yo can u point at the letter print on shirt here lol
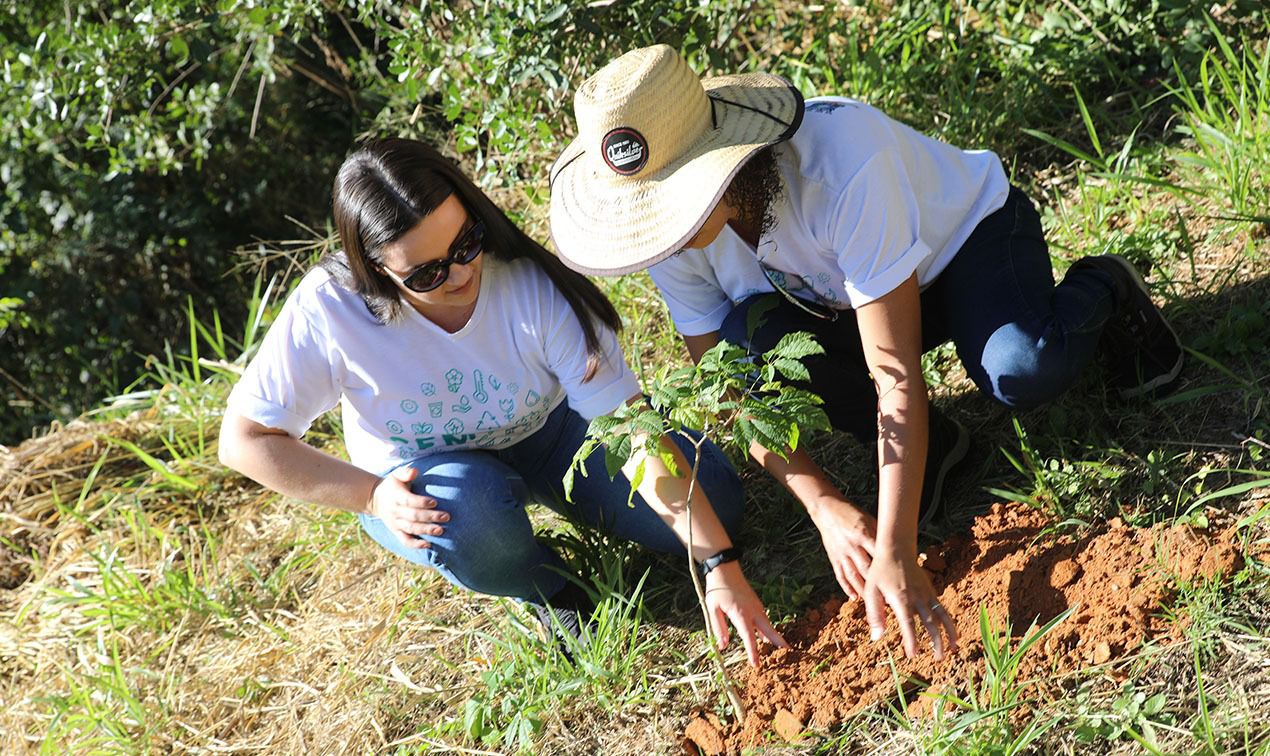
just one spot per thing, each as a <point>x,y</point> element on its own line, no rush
<point>402,448</point>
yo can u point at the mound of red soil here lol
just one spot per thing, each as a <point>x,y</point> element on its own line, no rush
<point>1117,580</point>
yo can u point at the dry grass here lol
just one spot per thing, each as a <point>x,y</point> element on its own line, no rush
<point>299,635</point>
<point>139,614</point>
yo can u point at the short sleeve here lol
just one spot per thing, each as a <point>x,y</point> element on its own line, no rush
<point>566,352</point>
<point>290,382</point>
<point>697,303</point>
<point>874,230</point>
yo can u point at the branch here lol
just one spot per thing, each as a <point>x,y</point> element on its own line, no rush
<point>729,687</point>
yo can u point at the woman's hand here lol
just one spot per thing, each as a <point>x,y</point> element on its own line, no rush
<point>895,579</point>
<point>729,597</point>
<point>848,535</point>
<point>407,514</point>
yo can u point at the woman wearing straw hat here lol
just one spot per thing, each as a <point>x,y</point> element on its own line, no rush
<point>466,361</point>
<point>880,241</point>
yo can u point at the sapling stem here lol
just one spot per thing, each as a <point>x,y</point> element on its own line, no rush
<point>729,687</point>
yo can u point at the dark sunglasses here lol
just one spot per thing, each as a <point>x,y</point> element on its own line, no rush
<point>815,308</point>
<point>466,248</point>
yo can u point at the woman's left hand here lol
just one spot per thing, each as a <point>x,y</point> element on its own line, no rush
<point>895,579</point>
<point>729,597</point>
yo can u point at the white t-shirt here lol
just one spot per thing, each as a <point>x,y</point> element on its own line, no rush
<point>867,202</point>
<point>409,389</point>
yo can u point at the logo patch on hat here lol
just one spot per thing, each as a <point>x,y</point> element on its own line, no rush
<point>625,150</point>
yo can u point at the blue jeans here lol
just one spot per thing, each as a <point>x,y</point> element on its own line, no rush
<point>1022,339</point>
<point>489,546</point>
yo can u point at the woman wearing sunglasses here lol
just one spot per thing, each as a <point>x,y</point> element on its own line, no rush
<point>877,239</point>
<point>466,361</point>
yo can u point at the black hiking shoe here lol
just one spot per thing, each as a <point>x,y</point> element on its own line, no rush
<point>561,618</point>
<point>946,448</point>
<point>1138,344</point>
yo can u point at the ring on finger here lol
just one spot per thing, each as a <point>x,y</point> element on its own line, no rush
<point>935,605</point>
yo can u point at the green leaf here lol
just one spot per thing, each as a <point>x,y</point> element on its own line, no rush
<point>178,48</point>
<point>791,369</point>
<point>757,314</point>
<point>637,477</point>
<point>794,346</point>
<point>1231,491</point>
<point>155,464</point>
<point>667,458</point>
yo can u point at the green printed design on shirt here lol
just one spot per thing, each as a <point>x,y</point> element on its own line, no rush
<point>495,428</point>
<point>453,380</point>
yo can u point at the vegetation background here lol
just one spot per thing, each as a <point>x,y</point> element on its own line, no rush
<point>166,168</point>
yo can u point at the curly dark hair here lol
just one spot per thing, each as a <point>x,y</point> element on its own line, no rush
<point>755,190</point>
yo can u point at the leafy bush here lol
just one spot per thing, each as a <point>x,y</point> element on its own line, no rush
<point>150,138</point>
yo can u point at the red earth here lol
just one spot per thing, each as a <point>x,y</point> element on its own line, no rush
<point>1116,579</point>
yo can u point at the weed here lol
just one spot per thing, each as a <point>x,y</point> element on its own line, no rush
<point>983,719</point>
<point>1133,713</point>
<point>524,681</point>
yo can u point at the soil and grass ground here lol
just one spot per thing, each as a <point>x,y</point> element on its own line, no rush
<point>1107,563</point>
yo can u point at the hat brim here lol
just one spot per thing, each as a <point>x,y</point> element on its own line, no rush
<point>602,224</point>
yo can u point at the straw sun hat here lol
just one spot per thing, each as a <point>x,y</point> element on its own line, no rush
<point>656,148</point>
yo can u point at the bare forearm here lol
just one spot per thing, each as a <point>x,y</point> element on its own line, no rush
<point>293,468</point>
<point>902,440</point>
<point>667,495</point>
<point>801,476</point>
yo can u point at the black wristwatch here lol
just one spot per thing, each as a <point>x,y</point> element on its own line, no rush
<point>730,554</point>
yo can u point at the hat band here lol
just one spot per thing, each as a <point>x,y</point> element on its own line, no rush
<point>790,127</point>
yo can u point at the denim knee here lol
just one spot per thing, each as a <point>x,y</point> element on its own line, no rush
<point>720,482</point>
<point>1023,370</point>
<point>488,545</point>
<point>723,486</point>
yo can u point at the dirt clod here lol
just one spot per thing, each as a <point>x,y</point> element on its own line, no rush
<point>787,726</point>
<point>705,736</point>
<point>1113,581</point>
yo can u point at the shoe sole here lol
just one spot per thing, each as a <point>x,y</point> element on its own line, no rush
<point>951,460</point>
<point>1151,386</point>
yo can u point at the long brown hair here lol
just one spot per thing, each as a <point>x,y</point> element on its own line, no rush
<point>385,187</point>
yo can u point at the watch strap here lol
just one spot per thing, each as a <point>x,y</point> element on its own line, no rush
<point>730,554</point>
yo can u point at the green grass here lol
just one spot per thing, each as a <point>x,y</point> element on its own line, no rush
<point>168,605</point>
